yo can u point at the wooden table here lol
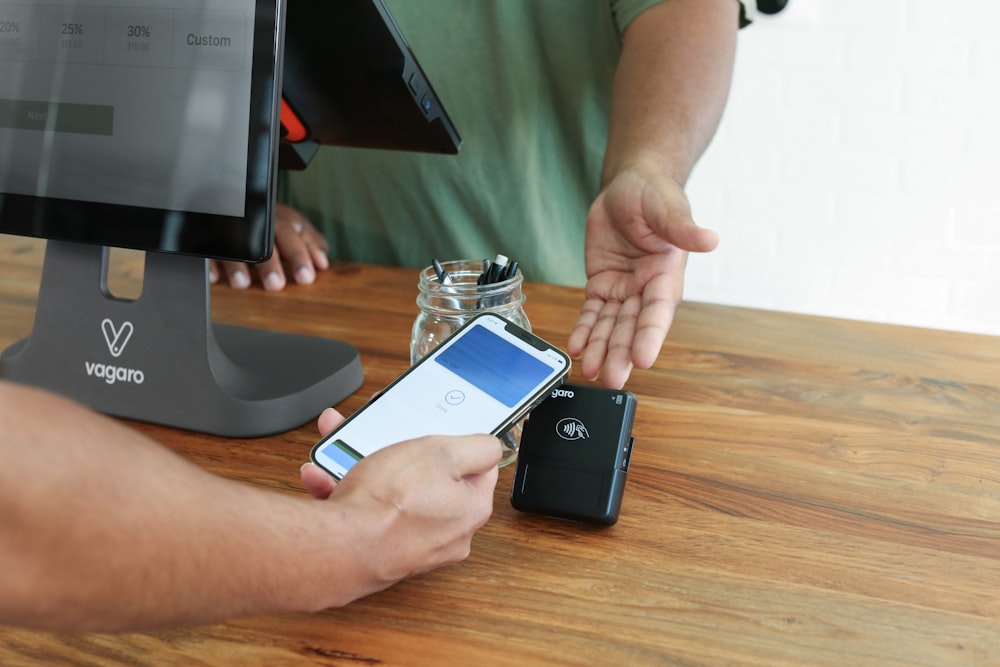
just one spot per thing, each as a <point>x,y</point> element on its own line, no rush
<point>803,491</point>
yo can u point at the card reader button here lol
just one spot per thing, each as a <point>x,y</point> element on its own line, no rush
<point>627,455</point>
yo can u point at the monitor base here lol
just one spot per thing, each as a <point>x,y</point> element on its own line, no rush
<point>160,358</point>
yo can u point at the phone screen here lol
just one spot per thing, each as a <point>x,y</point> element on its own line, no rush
<point>478,381</point>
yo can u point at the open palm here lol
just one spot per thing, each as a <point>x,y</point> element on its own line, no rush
<point>639,231</point>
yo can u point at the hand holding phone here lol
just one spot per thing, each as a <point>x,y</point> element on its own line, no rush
<point>482,379</point>
<point>416,506</point>
<point>445,487</point>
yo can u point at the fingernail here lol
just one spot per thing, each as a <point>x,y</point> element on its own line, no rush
<point>273,281</point>
<point>305,275</point>
<point>239,280</point>
<point>321,261</point>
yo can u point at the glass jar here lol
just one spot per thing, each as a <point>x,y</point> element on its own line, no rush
<point>444,308</point>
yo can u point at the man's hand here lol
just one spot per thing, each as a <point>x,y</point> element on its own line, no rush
<point>299,249</point>
<point>639,231</point>
<point>413,506</point>
<point>669,91</point>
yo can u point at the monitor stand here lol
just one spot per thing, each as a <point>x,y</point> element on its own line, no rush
<point>160,358</point>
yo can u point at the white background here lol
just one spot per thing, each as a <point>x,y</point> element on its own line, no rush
<point>857,169</point>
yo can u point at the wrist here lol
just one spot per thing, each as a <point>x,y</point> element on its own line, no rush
<point>350,551</point>
<point>650,164</point>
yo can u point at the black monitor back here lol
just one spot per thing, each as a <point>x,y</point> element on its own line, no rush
<point>351,79</point>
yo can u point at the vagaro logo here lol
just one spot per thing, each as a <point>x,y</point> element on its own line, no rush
<point>571,428</point>
<point>116,338</point>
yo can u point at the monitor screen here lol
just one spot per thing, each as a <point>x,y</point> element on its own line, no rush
<point>145,125</point>
<point>154,125</point>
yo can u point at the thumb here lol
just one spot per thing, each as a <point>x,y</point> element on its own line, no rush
<point>687,235</point>
<point>474,455</point>
<point>668,212</point>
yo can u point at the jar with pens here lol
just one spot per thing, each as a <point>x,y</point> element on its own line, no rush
<point>453,292</point>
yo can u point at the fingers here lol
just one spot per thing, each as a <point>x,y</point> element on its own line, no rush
<point>468,462</point>
<point>472,459</point>
<point>303,248</point>
<point>616,362</point>
<point>480,470</point>
<point>316,481</point>
<point>580,336</point>
<point>660,301</point>
<point>612,336</point>
<point>300,250</point>
<point>213,271</point>
<point>457,457</point>
<point>603,339</point>
<point>468,457</point>
<point>237,274</point>
<point>328,420</point>
<point>271,272</point>
<point>475,468</point>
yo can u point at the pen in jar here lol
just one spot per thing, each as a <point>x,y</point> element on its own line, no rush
<point>481,280</point>
<point>500,269</point>
<point>442,275</point>
<point>496,271</point>
<point>510,271</point>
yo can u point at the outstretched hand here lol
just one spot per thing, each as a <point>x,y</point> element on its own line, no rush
<point>639,232</point>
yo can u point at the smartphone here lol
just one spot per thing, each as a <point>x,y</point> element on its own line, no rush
<point>574,455</point>
<point>483,378</point>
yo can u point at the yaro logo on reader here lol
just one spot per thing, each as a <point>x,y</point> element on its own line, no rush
<point>116,338</point>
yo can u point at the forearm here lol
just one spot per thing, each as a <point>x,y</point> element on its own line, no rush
<point>102,529</point>
<point>671,85</point>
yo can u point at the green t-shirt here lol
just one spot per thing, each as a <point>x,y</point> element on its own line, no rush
<point>527,84</point>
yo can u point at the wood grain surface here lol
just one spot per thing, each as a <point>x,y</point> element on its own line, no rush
<point>803,491</point>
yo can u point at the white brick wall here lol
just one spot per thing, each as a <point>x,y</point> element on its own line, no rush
<point>857,169</point>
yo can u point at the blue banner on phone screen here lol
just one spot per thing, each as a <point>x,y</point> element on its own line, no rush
<point>495,366</point>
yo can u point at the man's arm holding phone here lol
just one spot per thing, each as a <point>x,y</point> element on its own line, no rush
<point>103,529</point>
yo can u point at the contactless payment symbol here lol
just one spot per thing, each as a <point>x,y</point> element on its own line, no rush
<point>116,338</point>
<point>454,397</point>
<point>571,428</point>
